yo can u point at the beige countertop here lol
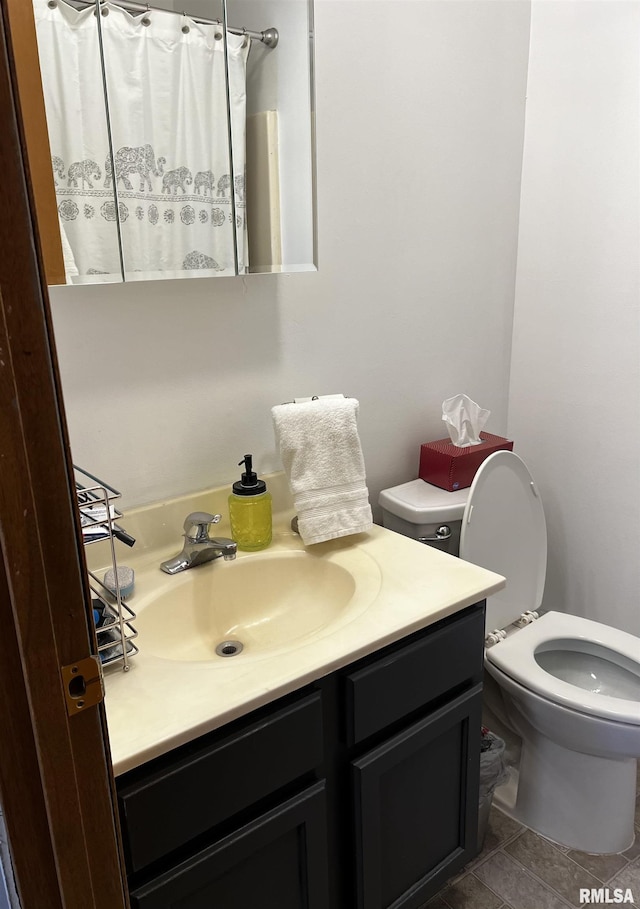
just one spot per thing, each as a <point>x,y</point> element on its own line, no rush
<point>160,703</point>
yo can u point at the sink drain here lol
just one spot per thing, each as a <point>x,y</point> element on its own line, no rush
<point>229,648</point>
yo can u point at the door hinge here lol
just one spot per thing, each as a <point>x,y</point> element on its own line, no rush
<point>83,684</point>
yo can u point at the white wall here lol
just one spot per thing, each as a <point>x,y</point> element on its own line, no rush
<point>574,407</point>
<point>420,111</point>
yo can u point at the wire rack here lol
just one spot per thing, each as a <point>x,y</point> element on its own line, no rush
<point>112,616</point>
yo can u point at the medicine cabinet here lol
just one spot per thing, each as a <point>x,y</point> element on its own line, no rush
<point>180,136</point>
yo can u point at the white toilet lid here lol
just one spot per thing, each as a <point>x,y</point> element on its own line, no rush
<point>504,530</point>
<point>516,658</point>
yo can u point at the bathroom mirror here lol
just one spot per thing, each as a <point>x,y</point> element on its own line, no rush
<point>188,151</point>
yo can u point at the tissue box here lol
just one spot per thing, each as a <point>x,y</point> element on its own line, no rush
<point>451,468</point>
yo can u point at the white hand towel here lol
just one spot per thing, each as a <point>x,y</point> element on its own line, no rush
<point>322,458</point>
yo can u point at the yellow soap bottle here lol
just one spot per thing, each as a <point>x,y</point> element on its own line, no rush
<point>250,510</point>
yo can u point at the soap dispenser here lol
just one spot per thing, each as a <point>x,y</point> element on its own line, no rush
<point>250,510</point>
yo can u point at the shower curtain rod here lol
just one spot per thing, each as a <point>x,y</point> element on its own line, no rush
<point>269,37</point>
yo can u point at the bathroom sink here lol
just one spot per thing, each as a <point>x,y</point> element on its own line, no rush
<point>256,605</point>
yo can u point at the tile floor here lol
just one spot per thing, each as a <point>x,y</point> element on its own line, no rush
<point>517,869</point>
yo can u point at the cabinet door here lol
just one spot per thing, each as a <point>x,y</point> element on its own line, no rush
<point>416,803</point>
<point>278,861</point>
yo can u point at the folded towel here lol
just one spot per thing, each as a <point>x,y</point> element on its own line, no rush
<point>322,458</point>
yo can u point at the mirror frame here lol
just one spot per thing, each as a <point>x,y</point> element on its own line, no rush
<point>39,155</point>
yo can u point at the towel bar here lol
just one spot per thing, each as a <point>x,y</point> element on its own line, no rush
<point>314,398</point>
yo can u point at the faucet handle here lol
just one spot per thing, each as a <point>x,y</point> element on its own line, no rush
<point>196,525</point>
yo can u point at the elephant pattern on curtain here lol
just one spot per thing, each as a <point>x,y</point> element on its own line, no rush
<point>169,189</point>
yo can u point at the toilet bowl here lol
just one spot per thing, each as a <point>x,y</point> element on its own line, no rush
<point>570,687</point>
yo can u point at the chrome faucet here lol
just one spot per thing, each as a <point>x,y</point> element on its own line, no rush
<point>199,547</point>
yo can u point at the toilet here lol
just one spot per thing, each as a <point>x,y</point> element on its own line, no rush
<point>564,688</point>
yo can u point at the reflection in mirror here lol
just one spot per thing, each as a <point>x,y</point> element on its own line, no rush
<point>199,160</point>
<point>280,182</point>
<point>70,59</point>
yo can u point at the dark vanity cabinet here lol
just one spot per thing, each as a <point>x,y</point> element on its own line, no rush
<point>357,792</point>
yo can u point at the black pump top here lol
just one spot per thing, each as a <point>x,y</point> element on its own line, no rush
<point>249,484</point>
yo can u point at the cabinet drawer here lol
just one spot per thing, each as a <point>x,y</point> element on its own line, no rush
<point>188,797</point>
<point>411,676</point>
<point>278,861</point>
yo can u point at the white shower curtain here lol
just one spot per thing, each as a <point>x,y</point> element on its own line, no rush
<point>169,123</point>
<point>77,124</point>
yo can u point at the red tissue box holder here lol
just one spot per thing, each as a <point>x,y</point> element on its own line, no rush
<point>445,465</point>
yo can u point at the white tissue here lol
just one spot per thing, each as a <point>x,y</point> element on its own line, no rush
<point>465,420</point>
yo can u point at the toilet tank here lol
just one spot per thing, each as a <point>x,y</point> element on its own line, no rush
<point>417,509</point>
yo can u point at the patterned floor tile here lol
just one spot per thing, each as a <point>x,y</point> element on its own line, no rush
<point>601,866</point>
<point>470,893</point>
<point>552,866</point>
<point>516,885</point>
<point>629,878</point>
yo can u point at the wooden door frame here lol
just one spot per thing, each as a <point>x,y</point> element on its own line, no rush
<point>56,783</point>
<point>36,136</point>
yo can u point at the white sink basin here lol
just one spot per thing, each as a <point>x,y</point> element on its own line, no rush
<point>265,601</point>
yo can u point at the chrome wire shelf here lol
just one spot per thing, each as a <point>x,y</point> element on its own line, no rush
<point>99,517</point>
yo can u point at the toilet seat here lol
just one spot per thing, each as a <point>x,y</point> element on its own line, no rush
<point>515,657</point>
<point>504,530</point>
